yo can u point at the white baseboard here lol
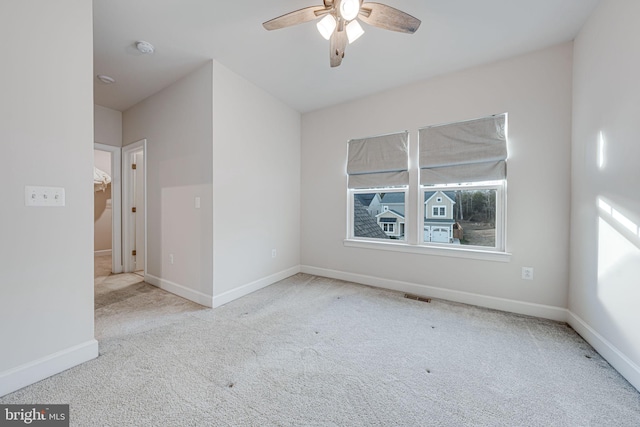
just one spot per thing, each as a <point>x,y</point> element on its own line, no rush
<point>243,290</point>
<point>180,290</point>
<point>513,306</point>
<point>32,372</point>
<point>104,252</point>
<point>625,366</point>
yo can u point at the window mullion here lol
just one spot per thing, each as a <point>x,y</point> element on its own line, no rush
<point>413,194</point>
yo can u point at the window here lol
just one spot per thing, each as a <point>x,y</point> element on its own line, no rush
<point>378,177</point>
<point>461,185</point>
<point>438,211</point>
<point>473,218</point>
<point>464,165</point>
<point>378,215</point>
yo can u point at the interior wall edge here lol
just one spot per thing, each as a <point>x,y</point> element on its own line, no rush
<point>180,290</point>
<point>240,291</point>
<point>616,358</point>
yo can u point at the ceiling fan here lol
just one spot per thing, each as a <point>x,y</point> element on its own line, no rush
<point>340,26</point>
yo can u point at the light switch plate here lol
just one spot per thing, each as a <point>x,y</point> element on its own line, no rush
<point>44,196</point>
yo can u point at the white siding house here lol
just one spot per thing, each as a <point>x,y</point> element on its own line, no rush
<point>391,222</point>
<point>438,216</point>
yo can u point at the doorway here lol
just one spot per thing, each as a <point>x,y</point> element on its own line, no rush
<point>134,207</point>
<point>107,204</point>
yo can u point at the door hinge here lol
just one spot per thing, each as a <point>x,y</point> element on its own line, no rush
<point>133,252</point>
<point>133,166</point>
<point>133,210</point>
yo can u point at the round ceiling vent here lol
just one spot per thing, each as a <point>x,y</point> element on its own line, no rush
<point>145,47</point>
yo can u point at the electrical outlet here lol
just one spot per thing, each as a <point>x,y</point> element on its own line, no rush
<point>273,253</point>
<point>527,273</point>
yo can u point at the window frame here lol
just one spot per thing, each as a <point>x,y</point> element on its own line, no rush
<point>499,186</point>
<point>351,192</point>
<point>408,245</point>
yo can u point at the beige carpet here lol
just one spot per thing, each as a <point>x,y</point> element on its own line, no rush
<point>311,351</point>
<point>125,304</point>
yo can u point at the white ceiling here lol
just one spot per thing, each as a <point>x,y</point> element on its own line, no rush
<point>293,63</point>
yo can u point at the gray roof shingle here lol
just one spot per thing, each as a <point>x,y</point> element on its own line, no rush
<point>393,198</point>
<point>364,225</point>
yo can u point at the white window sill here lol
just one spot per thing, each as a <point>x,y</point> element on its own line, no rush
<point>456,252</point>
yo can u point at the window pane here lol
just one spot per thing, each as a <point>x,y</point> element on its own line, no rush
<point>379,215</point>
<point>463,217</point>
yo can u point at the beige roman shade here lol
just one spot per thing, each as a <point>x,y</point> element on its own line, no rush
<point>380,161</point>
<point>471,151</point>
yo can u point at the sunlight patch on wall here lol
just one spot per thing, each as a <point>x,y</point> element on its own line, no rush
<point>618,285</point>
<point>614,251</point>
<point>619,218</point>
<point>618,262</point>
<point>601,150</point>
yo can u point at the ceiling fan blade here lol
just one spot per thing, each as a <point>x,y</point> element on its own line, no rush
<point>388,18</point>
<point>294,18</point>
<point>337,45</point>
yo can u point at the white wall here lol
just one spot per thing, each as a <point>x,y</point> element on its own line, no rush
<point>107,126</point>
<point>535,89</point>
<point>177,123</point>
<point>256,166</point>
<point>605,248</point>
<point>102,205</point>
<point>46,254</point>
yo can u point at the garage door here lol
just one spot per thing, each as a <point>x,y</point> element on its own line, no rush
<point>427,233</point>
<point>440,235</point>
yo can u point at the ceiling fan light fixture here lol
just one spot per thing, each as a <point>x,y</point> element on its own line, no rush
<point>326,26</point>
<point>349,9</point>
<point>340,22</point>
<point>354,31</point>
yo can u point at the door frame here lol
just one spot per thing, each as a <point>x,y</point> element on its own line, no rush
<point>116,210</point>
<point>127,203</point>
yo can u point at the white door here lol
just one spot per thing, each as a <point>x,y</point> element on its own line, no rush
<point>116,218</point>
<point>440,235</point>
<point>134,207</point>
<point>139,214</point>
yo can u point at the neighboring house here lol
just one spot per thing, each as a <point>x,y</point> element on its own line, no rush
<point>365,225</point>
<point>393,202</point>
<point>371,201</point>
<point>391,222</point>
<point>438,221</point>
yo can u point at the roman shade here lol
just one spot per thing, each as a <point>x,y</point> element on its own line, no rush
<point>380,161</point>
<point>471,151</point>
